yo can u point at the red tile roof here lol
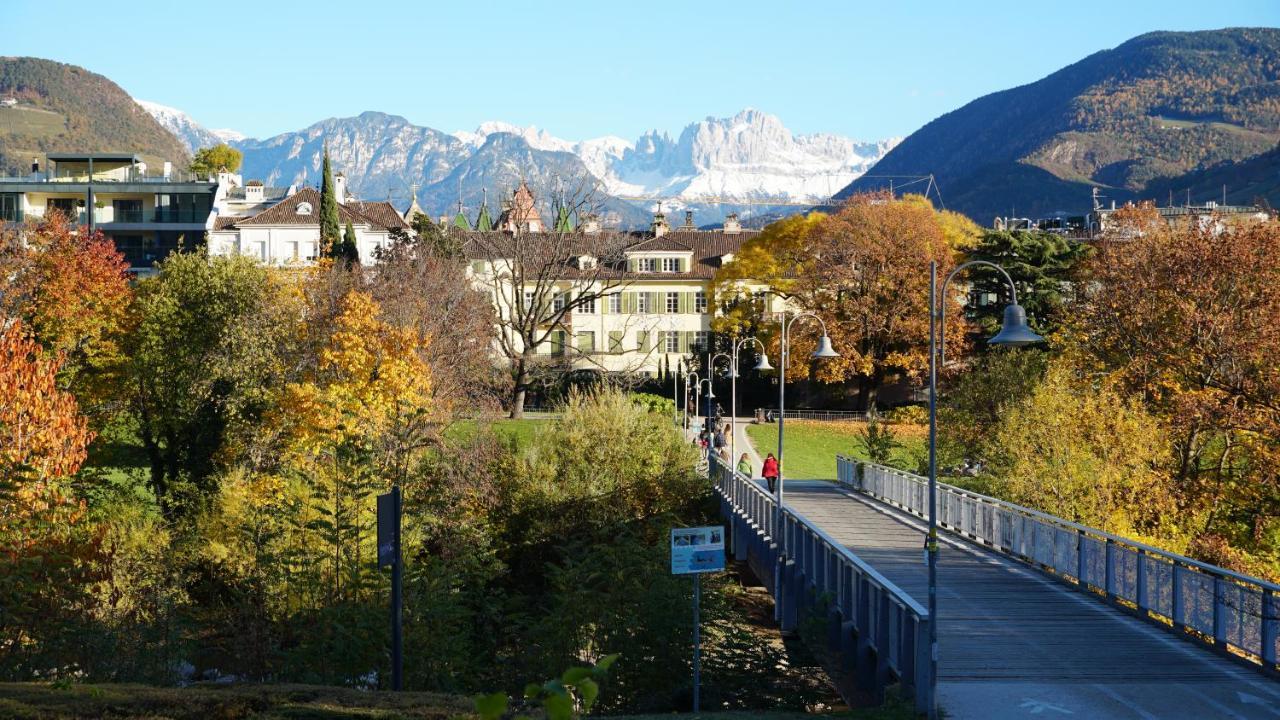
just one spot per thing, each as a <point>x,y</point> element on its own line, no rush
<point>379,215</point>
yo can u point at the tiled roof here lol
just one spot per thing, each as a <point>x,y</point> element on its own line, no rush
<point>707,247</point>
<point>377,214</point>
<point>224,222</point>
<point>382,213</point>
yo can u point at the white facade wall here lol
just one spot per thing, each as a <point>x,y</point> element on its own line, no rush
<point>290,244</point>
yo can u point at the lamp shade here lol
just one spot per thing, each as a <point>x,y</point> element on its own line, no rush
<point>733,374</point>
<point>762,364</point>
<point>824,349</point>
<point>1015,330</point>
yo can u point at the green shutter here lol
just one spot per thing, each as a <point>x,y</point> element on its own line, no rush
<point>586,342</point>
<point>660,342</point>
<point>653,303</point>
<point>615,341</point>
<point>683,342</point>
<point>686,302</point>
<point>628,302</point>
<point>684,265</point>
<point>632,264</point>
<point>557,342</point>
<point>642,341</point>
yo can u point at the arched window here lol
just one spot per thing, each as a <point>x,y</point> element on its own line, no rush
<point>304,208</point>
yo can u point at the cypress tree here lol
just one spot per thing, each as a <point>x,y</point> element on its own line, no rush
<point>330,239</point>
<point>350,251</point>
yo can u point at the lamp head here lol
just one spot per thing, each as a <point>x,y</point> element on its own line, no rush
<point>733,374</point>
<point>762,364</point>
<point>1015,331</point>
<point>824,349</point>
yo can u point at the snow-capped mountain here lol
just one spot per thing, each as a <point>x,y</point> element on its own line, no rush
<point>749,163</point>
<point>191,133</point>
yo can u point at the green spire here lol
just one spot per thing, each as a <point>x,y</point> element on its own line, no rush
<point>460,221</point>
<point>330,237</point>
<point>484,223</point>
<point>564,223</point>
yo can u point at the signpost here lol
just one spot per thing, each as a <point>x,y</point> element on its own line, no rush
<point>695,551</point>
<point>389,554</point>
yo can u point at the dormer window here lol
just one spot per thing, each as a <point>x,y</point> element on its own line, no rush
<point>647,265</point>
<point>670,264</point>
<point>303,208</point>
<point>586,262</point>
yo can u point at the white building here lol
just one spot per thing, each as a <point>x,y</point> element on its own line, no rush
<point>286,230</point>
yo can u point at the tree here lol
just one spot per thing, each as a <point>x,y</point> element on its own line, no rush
<point>350,249</point>
<point>1188,319</point>
<point>46,437</point>
<point>210,345</point>
<point>444,242</point>
<point>1081,451</point>
<point>211,160</point>
<point>330,232</point>
<point>767,260</point>
<point>538,280</point>
<point>1043,266</point>
<point>865,271</point>
<point>73,293</point>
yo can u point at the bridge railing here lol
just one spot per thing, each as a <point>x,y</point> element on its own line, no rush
<point>881,632</point>
<point>1214,606</point>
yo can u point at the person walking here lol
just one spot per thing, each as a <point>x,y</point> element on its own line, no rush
<point>770,471</point>
<point>744,465</point>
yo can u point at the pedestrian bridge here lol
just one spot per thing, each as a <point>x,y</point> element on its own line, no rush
<point>1037,616</point>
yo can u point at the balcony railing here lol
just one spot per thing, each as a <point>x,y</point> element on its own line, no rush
<point>132,176</point>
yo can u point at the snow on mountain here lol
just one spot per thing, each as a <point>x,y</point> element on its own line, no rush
<point>191,133</point>
<point>749,163</point>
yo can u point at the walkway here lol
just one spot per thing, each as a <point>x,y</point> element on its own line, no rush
<point>1014,643</point>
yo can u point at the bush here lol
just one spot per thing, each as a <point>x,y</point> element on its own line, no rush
<point>907,415</point>
<point>655,403</point>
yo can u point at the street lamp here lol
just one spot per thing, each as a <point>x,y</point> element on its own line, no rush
<point>687,375</point>
<point>761,365</point>
<point>823,351</point>
<point>675,396</point>
<point>1013,332</point>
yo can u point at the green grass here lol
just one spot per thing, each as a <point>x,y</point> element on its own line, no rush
<point>812,445</point>
<point>29,701</point>
<point>31,121</point>
<point>521,431</point>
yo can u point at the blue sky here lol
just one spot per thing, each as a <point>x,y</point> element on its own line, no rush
<point>584,69</point>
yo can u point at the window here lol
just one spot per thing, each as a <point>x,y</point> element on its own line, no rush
<point>557,342</point>
<point>528,301</point>
<point>560,300</point>
<point>293,251</point>
<point>587,306</point>
<point>303,208</point>
<point>586,341</point>
<point>615,303</point>
<point>671,343</point>
<point>69,207</point>
<point>673,302</point>
<point>700,302</point>
<point>670,264</point>
<point>129,211</point>
<point>701,339</point>
<point>647,265</point>
<point>642,303</point>
<point>11,207</point>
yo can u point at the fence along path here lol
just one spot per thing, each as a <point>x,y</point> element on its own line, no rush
<point>1014,641</point>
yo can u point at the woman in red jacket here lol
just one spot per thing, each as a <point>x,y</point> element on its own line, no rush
<point>770,471</point>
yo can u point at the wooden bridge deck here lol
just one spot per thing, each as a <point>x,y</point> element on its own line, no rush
<point>1015,643</point>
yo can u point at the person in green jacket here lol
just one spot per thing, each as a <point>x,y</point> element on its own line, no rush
<point>744,465</point>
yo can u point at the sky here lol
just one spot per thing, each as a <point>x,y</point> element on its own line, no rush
<point>868,70</point>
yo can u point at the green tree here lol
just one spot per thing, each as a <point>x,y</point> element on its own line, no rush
<point>1043,266</point>
<point>202,362</point>
<point>330,231</point>
<point>350,250</point>
<point>210,160</point>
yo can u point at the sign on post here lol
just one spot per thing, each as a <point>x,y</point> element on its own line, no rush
<point>388,528</point>
<point>697,550</point>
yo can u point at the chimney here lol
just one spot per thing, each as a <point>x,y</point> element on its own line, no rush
<point>591,225</point>
<point>688,221</point>
<point>659,227</point>
<point>731,224</point>
<point>340,188</point>
<point>253,191</point>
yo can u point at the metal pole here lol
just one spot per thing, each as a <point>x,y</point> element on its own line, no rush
<point>733,409</point>
<point>782,414</point>
<point>697,641</point>
<point>932,540</point>
<point>397,648</point>
<point>675,397</point>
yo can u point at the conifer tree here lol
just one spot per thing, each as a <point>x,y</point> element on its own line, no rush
<point>350,251</point>
<point>330,238</point>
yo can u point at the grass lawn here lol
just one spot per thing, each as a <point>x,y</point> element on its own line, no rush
<point>521,431</point>
<point>812,445</point>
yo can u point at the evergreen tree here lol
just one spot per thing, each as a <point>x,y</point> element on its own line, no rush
<point>330,239</point>
<point>350,251</point>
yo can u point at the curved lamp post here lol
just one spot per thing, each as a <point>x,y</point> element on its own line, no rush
<point>1014,332</point>
<point>761,365</point>
<point>687,375</point>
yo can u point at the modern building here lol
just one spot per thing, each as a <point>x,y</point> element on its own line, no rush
<point>147,213</point>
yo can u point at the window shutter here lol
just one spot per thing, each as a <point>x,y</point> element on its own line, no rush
<point>660,342</point>
<point>628,302</point>
<point>686,302</point>
<point>642,341</point>
<point>684,265</point>
<point>632,263</point>
<point>684,342</point>
<point>586,342</point>
<point>615,341</point>
<point>653,303</point>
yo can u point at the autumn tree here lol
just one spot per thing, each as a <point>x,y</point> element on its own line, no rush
<point>867,274</point>
<point>1188,319</point>
<point>73,292</point>
<point>211,160</point>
